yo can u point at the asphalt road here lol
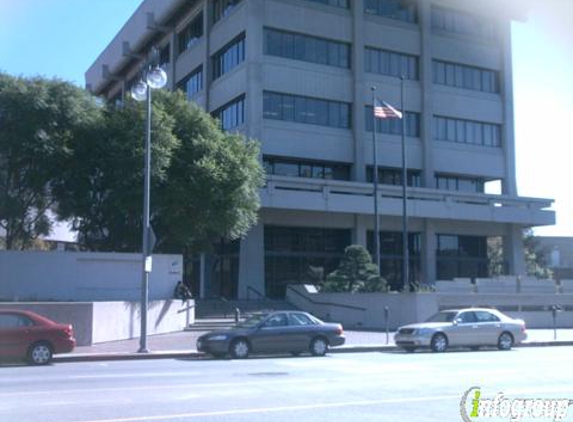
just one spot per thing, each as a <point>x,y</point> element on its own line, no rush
<point>343,387</point>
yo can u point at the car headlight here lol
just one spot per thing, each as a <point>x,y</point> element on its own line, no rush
<point>218,337</point>
<point>423,331</point>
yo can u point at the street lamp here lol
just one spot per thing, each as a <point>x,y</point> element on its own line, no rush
<point>155,78</point>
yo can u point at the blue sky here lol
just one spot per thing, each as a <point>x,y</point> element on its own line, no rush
<point>63,38</point>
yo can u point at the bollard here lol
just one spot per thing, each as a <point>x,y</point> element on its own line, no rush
<point>237,315</point>
<point>387,322</point>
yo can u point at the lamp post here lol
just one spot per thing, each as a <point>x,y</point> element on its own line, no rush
<point>405,246</point>
<point>375,179</point>
<point>155,78</point>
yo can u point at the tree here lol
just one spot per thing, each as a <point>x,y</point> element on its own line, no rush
<point>38,120</point>
<point>204,181</point>
<point>535,257</point>
<point>355,273</point>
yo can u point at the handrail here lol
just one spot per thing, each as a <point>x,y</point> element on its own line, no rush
<point>315,302</point>
<point>252,289</point>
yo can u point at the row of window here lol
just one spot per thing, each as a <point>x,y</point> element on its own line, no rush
<point>463,23</point>
<point>393,9</point>
<point>192,32</point>
<point>467,132</point>
<point>394,126</point>
<point>345,4</point>
<point>229,57</point>
<point>466,77</point>
<point>231,114</point>
<point>294,108</point>
<point>386,175</point>
<point>306,48</point>
<point>192,83</point>
<point>306,168</point>
<point>391,63</point>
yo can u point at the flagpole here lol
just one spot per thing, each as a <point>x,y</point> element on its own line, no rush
<point>375,179</point>
<point>405,248</point>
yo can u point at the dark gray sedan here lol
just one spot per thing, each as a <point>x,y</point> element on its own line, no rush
<point>292,332</point>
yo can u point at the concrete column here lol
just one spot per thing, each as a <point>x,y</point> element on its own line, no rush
<point>513,249</point>
<point>425,17</point>
<point>252,262</point>
<point>207,67</point>
<point>254,57</point>
<point>358,130</point>
<point>509,185</point>
<point>359,230</point>
<point>429,249</point>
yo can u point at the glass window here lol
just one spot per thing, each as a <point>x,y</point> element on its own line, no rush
<point>393,9</point>
<point>306,48</point>
<point>222,8</point>
<point>229,57</point>
<point>191,33</point>
<point>463,23</point>
<point>231,114</point>
<point>391,63</point>
<point>337,3</point>
<point>465,77</point>
<point>192,83</point>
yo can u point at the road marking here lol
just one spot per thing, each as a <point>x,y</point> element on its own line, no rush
<point>314,406</point>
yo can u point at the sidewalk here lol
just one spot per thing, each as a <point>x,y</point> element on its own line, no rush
<point>182,344</point>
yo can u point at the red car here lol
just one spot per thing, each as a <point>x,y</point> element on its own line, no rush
<point>29,336</point>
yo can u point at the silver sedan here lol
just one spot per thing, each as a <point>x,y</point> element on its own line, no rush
<point>472,327</point>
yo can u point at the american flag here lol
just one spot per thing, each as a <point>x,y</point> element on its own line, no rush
<point>383,110</point>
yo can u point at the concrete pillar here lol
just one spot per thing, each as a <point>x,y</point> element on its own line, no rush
<point>358,130</point>
<point>359,230</point>
<point>429,249</point>
<point>426,82</point>
<point>509,185</point>
<point>254,51</point>
<point>513,250</point>
<point>252,263</point>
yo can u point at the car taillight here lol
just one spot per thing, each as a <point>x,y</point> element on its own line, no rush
<point>523,328</point>
<point>68,331</point>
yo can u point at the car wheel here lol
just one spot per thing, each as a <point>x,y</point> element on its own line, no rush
<point>319,346</point>
<point>505,341</point>
<point>439,343</point>
<point>409,349</point>
<point>240,349</point>
<point>40,353</point>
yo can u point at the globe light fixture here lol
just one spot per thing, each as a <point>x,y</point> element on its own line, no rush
<point>139,91</point>
<point>156,78</point>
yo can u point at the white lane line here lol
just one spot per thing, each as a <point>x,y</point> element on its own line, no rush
<point>256,410</point>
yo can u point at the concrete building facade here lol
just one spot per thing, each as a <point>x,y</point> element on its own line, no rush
<point>298,76</point>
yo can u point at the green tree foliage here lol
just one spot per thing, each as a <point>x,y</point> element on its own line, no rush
<point>355,273</point>
<point>204,181</point>
<point>535,257</point>
<point>39,118</point>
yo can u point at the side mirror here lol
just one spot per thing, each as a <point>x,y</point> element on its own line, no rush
<point>456,321</point>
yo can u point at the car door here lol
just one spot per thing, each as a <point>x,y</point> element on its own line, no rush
<point>489,327</point>
<point>15,335</point>
<point>270,336</point>
<point>301,330</point>
<point>464,332</point>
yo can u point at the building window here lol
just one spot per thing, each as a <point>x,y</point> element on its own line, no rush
<point>295,255</point>
<point>460,183</point>
<point>393,9</point>
<point>391,256</point>
<point>192,83</point>
<point>390,63</point>
<point>465,77</point>
<point>463,23</point>
<point>191,34</point>
<point>165,56</point>
<point>467,132</point>
<point>222,8</point>
<point>461,256</point>
<point>306,168</point>
<point>306,48</point>
<point>393,176</point>
<point>314,111</point>
<point>394,126</point>
<point>231,114</point>
<point>337,3</point>
<point>229,56</point>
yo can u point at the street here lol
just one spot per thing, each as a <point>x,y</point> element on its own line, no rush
<point>361,387</point>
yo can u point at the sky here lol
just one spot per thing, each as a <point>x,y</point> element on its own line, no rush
<point>62,38</point>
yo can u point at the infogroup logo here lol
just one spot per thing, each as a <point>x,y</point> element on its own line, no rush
<point>474,406</point>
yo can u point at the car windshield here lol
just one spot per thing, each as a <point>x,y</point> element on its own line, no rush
<point>442,317</point>
<point>252,321</point>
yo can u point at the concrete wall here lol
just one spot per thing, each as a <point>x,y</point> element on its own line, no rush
<point>367,309</point>
<point>98,322</point>
<point>80,276</point>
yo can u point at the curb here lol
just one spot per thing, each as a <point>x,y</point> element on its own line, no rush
<point>191,354</point>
